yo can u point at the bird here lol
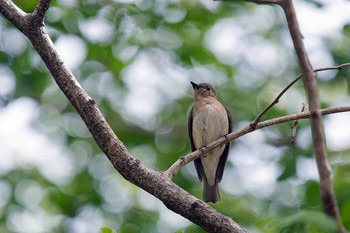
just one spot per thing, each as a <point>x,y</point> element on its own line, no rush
<point>208,120</point>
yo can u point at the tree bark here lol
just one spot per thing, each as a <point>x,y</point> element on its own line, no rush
<point>319,142</point>
<point>155,183</point>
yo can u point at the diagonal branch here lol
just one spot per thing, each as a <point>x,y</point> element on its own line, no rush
<point>40,11</point>
<point>276,100</point>
<point>328,198</point>
<point>295,124</point>
<point>172,196</point>
<point>182,161</point>
<point>13,14</point>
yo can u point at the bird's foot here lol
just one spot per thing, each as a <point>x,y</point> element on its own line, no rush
<point>202,151</point>
<point>226,136</point>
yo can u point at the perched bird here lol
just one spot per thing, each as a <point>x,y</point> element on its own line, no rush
<point>209,120</point>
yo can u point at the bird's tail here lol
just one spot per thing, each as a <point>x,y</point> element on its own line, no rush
<point>211,193</point>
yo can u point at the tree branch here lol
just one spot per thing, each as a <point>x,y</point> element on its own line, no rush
<point>173,197</point>
<point>40,11</point>
<point>266,1</point>
<point>12,13</point>
<point>276,100</point>
<point>328,198</point>
<point>182,161</point>
<point>295,124</point>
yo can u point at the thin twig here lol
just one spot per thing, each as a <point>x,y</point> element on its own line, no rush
<point>182,161</point>
<point>333,67</point>
<point>295,125</point>
<point>276,100</point>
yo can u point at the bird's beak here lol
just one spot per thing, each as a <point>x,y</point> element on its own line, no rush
<point>194,85</point>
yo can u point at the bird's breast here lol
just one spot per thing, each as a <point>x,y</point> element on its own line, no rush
<point>210,122</point>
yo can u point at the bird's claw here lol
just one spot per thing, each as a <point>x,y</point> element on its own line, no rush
<point>202,151</point>
<point>225,135</point>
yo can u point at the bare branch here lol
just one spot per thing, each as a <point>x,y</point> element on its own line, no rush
<point>13,14</point>
<point>333,67</point>
<point>40,11</point>
<point>172,196</point>
<point>182,161</point>
<point>295,124</point>
<point>328,198</point>
<point>21,20</point>
<point>276,100</point>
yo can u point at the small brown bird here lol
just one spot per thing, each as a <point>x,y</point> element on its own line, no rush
<point>209,120</point>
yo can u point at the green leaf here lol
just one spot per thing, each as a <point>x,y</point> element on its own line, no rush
<point>107,230</point>
<point>308,221</point>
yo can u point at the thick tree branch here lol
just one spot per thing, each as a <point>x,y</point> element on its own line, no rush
<point>328,198</point>
<point>13,14</point>
<point>176,167</point>
<point>173,197</point>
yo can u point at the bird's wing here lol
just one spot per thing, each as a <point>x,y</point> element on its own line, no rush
<point>230,121</point>
<point>224,155</point>
<point>197,162</point>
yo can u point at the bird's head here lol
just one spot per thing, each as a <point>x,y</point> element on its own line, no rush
<point>203,90</point>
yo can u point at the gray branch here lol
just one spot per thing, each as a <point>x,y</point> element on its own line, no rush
<point>173,197</point>
<point>328,198</point>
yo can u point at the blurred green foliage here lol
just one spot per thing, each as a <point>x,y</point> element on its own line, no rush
<point>136,58</point>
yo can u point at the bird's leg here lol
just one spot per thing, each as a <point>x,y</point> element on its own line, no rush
<point>226,136</point>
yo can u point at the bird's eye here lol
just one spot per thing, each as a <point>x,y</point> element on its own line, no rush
<point>207,88</point>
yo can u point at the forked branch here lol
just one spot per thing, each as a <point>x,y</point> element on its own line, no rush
<point>40,11</point>
<point>276,100</point>
<point>172,196</point>
<point>318,136</point>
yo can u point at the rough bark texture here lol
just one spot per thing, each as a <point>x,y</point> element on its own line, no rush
<point>130,168</point>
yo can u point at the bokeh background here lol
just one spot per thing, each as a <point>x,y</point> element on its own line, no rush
<point>136,58</point>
